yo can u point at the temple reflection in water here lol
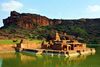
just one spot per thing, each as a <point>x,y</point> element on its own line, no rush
<point>28,59</point>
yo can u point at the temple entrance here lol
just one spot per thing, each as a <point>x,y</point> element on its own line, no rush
<point>64,47</point>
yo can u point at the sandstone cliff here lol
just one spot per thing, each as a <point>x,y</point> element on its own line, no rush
<point>33,25</point>
<point>26,20</point>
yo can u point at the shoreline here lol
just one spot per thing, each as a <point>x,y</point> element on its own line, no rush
<point>7,47</point>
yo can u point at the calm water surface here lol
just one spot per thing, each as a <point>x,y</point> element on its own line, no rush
<point>31,60</point>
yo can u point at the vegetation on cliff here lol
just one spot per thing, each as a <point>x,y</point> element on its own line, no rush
<point>29,26</point>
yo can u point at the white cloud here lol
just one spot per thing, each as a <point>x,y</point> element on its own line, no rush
<point>93,8</point>
<point>11,5</point>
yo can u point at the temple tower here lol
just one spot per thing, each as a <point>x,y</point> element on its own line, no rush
<point>57,38</point>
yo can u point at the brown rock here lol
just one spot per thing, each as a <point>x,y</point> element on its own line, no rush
<point>26,20</point>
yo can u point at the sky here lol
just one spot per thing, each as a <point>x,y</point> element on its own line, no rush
<point>55,9</point>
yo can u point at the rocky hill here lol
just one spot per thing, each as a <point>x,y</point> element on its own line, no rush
<point>26,25</point>
<point>26,20</point>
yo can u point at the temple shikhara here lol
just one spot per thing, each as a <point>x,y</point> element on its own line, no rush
<point>68,44</point>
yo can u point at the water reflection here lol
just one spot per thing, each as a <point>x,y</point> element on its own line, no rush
<point>1,62</point>
<point>30,60</point>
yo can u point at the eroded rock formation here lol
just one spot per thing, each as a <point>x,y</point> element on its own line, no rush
<point>26,20</point>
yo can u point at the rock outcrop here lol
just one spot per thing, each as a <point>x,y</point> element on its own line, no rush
<point>26,20</point>
<point>29,21</point>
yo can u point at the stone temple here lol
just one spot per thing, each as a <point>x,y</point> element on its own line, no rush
<point>66,43</point>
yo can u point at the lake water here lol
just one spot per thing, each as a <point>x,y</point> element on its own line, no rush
<point>27,59</point>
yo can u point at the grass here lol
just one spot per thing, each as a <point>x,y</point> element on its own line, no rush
<point>6,42</point>
<point>11,41</point>
<point>36,41</point>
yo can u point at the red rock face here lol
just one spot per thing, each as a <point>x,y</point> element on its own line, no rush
<point>26,20</point>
